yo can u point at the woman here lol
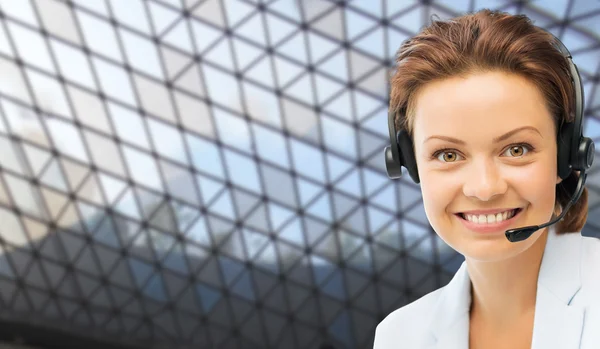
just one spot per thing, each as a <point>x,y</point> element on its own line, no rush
<point>482,102</point>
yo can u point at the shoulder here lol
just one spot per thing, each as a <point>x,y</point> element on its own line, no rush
<point>590,267</point>
<point>591,247</point>
<point>588,296</point>
<point>407,324</point>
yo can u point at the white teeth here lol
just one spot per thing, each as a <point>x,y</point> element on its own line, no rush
<point>490,218</point>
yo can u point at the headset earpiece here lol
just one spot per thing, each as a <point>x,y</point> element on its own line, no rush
<point>393,163</point>
<point>400,153</point>
<point>407,154</point>
<point>585,154</point>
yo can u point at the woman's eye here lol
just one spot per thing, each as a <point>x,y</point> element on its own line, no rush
<point>448,156</point>
<point>516,151</point>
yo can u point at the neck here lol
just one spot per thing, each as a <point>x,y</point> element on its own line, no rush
<point>504,291</point>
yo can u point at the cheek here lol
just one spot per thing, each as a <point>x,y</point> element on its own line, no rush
<point>537,185</point>
<point>439,191</point>
<point>535,180</point>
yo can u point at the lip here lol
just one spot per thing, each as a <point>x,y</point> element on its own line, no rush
<point>489,227</point>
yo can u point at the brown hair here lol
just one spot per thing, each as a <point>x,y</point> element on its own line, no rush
<point>484,41</point>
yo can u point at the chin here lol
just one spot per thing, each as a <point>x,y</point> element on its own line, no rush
<point>495,251</point>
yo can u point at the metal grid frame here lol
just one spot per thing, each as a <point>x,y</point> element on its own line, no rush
<point>181,260</point>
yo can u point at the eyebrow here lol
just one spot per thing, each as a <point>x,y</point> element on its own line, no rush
<point>495,140</point>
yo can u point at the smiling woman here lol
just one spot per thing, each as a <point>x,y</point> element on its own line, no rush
<point>486,115</point>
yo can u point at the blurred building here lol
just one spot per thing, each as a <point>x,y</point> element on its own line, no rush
<point>209,174</point>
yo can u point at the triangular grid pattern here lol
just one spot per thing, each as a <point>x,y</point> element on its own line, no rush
<point>208,174</point>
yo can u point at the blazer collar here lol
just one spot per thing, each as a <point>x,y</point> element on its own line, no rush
<point>450,318</point>
<point>557,323</point>
<point>555,320</point>
<point>560,272</point>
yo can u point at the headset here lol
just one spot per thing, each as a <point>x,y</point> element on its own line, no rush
<point>575,152</point>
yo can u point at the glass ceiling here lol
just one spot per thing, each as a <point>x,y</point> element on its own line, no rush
<point>210,174</point>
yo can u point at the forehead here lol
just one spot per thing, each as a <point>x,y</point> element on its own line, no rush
<point>481,105</point>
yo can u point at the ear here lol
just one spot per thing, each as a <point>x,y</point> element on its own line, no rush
<point>558,180</point>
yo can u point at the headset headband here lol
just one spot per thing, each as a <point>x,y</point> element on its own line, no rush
<point>575,152</point>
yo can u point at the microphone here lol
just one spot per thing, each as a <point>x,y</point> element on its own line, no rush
<point>520,234</point>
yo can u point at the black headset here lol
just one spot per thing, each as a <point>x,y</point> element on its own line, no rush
<point>575,152</point>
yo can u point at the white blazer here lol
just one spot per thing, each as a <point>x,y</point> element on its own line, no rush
<point>567,310</point>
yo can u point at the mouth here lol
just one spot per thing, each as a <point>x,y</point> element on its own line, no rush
<point>490,223</point>
<point>490,219</point>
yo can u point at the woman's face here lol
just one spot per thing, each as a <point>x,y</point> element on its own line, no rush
<point>485,144</point>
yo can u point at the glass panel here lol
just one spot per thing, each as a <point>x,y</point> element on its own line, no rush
<point>17,88</point>
<point>220,54</point>
<point>179,37</point>
<point>31,47</point>
<point>67,139</point>
<point>73,65</point>
<point>129,125</point>
<point>115,81</point>
<point>142,54</point>
<point>99,35</point>
<point>25,196</point>
<point>131,13</point>
<point>155,98</point>
<point>242,171</point>
<point>143,168</point>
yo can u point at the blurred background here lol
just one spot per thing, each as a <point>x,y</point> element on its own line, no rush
<point>210,174</point>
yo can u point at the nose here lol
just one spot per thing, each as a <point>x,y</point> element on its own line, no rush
<point>484,181</point>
